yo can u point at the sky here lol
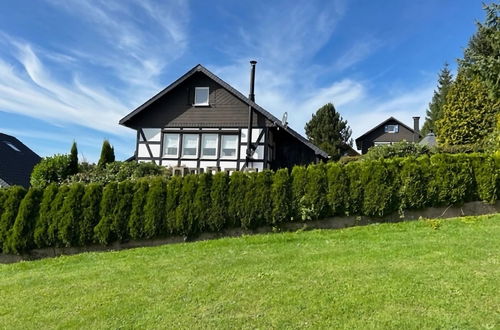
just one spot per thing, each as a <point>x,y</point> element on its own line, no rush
<point>70,69</point>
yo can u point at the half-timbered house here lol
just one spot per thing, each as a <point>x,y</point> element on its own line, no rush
<point>200,122</point>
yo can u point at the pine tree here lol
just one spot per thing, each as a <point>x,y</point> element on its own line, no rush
<point>435,110</point>
<point>10,207</point>
<point>103,230</point>
<point>154,210</point>
<point>185,217</point>
<point>281,196</point>
<point>107,154</point>
<point>55,215</point>
<point>122,209</point>
<point>174,187</point>
<point>71,215</point>
<point>136,222</point>
<point>329,131</point>
<point>238,186</point>
<point>73,160</point>
<point>202,202</point>
<point>218,216</point>
<point>90,215</point>
<point>42,225</point>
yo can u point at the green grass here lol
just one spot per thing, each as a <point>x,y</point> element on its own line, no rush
<point>401,276</point>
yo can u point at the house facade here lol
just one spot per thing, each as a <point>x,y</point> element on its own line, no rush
<point>16,162</point>
<point>389,131</point>
<point>201,123</point>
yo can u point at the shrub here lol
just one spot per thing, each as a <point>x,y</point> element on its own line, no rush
<point>414,178</point>
<point>202,202</point>
<point>281,197</point>
<point>71,215</point>
<point>236,198</point>
<point>55,215</point>
<point>174,187</point>
<point>485,175</point>
<point>184,214</point>
<point>338,185</point>
<point>103,231</point>
<point>378,179</point>
<point>122,209</point>
<point>90,213</point>
<point>258,200</point>
<point>219,200</point>
<point>136,222</point>
<point>107,154</point>
<point>315,198</point>
<point>299,181</point>
<point>154,210</point>
<point>398,149</point>
<point>53,169</point>
<point>354,198</point>
<point>10,207</point>
<point>3,197</point>
<point>21,235</point>
<point>44,219</point>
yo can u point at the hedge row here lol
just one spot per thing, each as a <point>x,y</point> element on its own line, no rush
<point>78,214</point>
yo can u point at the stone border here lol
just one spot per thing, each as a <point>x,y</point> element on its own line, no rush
<point>467,209</point>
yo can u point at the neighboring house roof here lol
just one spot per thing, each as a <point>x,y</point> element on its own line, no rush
<point>16,161</point>
<point>255,106</point>
<point>359,139</point>
<point>429,140</point>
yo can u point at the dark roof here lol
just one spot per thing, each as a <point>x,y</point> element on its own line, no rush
<point>255,106</point>
<point>382,123</point>
<point>16,161</point>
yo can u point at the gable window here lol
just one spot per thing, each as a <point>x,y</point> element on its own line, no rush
<point>12,146</point>
<point>171,145</point>
<point>229,144</point>
<point>209,145</point>
<point>190,145</point>
<point>201,96</point>
<point>391,128</point>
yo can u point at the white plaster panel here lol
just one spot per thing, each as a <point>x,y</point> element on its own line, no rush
<point>255,134</point>
<point>225,165</point>
<point>143,150</point>
<point>205,164</point>
<point>145,161</point>
<point>258,154</point>
<point>189,163</point>
<point>259,166</point>
<point>155,149</point>
<point>169,163</point>
<point>152,134</point>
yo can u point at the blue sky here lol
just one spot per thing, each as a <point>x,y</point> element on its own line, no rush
<point>70,69</point>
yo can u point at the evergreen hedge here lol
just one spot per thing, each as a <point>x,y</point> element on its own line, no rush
<point>78,214</point>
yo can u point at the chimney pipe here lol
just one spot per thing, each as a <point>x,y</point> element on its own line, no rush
<point>251,96</point>
<point>416,129</point>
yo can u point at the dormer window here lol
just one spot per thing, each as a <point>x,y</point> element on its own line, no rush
<point>201,96</point>
<point>392,128</point>
<point>12,146</point>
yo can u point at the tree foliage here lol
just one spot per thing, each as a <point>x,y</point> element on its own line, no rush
<point>52,169</point>
<point>435,110</point>
<point>329,131</point>
<point>73,160</point>
<point>107,154</point>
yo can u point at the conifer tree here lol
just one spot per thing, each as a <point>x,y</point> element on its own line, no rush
<point>136,221</point>
<point>174,187</point>
<point>202,202</point>
<point>71,215</point>
<point>299,181</point>
<point>258,200</point>
<point>218,216</point>
<point>154,210</point>
<point>55,215</point>
<point>329,131</point>
<point>21,236</point>
<point>103,230</point>
<point>73,160</point>
<point>10,208</point>
<point>107,154</point>
<point>281,196</point>
<point>337,188</point>
<point>90,215</point>
<point>42,225</point>
<point>122,209</point>
<point>238,186</point>
<point>184,214</point>
<point>435,110</point>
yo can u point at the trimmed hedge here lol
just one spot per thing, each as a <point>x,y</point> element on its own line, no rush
<point>78,214</point>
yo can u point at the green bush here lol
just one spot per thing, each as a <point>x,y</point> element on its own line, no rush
<point>3,197</point>
<point>90,214</point>
<point>258,209</point>
<point>379,181</point>
<point>154,208</point>
<point>338,184</point>
<point>414,178</point>
<point>281,197</point>
<point>53,169</point>
<point>354,197</point>
<point>122,209</point>
<point>236,198</point>
<point>41,237</point>
<point>315,201</point>
<point>219,198</point>
<point>103,231</point>
<point>55,215</point>
<point>174,187</point>
<point>398,149</point>
<point>21,235</point>
<point>485,175</point>
<point>202,202</point>
<point>10,208</point>
<point>185,217</point>
<point>299,181</point>
<point>71,215</point>
<point>136,221</point>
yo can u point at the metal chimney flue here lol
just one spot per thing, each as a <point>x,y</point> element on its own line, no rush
<point>416,129</point>
<point>251,96</point>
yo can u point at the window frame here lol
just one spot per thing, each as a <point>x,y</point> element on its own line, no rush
<point>165,145</point>
<point>394,130</point>
<point>222,157</point>
<point>207,103</point>
<point>203,136</point>
<point>183,155</point>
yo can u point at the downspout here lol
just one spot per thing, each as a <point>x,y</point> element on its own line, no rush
<point>251,96</point>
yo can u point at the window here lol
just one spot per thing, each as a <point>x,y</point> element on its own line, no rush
<point>229,145</point>
<point>201,95</point>
<point>12,146</point>
<point>209,145</point>
<point>392,128</point>
<point>190,145</point>
<point>380,143</point>
<point>171,145</point>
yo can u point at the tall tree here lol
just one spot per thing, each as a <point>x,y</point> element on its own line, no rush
<point>73,160</point>
<point>482,55</point>
<point>329,131</point>
<point>435,110</point>
<point>107,154</point>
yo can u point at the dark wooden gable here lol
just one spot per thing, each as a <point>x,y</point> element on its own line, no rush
<point>175,108</point>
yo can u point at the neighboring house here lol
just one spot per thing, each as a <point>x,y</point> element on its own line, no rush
<point>16,162</point>
<point>201,122</point>
<point>387,132</point>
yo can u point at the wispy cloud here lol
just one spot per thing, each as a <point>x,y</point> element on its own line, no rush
<point>356,53</point>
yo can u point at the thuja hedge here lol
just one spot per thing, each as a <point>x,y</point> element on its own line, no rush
<point>79,214</point>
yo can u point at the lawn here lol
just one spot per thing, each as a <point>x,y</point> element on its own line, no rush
<point>421,274</point>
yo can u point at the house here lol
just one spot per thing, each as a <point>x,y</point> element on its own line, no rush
<point>16,162</point>
<point>387,132</point>
<point>201,123</point>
